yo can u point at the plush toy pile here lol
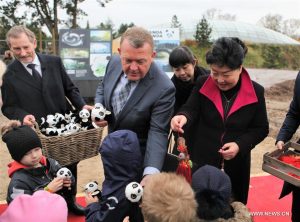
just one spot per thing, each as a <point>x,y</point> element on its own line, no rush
<point>69,123</point>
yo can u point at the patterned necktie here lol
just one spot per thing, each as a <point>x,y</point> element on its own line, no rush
<point>35,74</point>
<point>121,97</point>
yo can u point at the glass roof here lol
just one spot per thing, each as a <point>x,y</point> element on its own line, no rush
<point>244,31</point>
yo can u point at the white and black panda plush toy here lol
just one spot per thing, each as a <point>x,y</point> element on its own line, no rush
<point>51,121</point>
<point>60,119</point>
<point>134,192</point>
<point>43,125</point>
<point>72,128</point>
<point>85,119</point>
<point>51,131</point>
<point>93,188</point>
<point>64,172</point>
<point>69,117</point>
<point>99,112</point>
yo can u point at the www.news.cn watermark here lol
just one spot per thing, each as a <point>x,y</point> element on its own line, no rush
<point>270,213</point>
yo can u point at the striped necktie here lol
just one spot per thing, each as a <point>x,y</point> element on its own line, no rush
<point>121,98</point>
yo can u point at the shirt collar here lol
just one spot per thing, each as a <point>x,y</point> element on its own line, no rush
<point>35,61</point>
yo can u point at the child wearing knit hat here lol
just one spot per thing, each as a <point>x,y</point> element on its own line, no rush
<point>213,194</point>
<point>122,164</point>
<point>31,171</point>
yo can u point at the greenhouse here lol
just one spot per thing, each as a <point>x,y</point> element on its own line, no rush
<point>244,31</point>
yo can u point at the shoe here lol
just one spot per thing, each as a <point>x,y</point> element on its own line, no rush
<point>76,208</point>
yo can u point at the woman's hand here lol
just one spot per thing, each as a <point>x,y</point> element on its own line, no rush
<point>178,122</point>
<point>229,150</point>
<point>90,199</point>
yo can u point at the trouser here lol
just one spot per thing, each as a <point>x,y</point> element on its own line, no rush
<point>296,204</point>
<point>287,189</point>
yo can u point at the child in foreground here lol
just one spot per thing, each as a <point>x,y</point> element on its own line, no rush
<point>31,171</point>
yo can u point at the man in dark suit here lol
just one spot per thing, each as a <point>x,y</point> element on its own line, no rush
<point>36,85</point>
<point>149,106</point>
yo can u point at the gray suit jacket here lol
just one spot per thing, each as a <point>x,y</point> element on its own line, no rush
<point>147,112</point>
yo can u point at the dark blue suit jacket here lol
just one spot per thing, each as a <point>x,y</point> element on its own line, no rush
<point>147,112</point>
<point>292,119</point>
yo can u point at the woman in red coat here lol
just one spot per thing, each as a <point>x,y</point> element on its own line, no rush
<point>228,113</point>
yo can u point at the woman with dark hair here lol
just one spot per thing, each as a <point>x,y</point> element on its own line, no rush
<point>229,110</point>
<point>186,73</point>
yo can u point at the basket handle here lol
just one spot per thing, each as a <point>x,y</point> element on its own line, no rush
<point>36,127</point>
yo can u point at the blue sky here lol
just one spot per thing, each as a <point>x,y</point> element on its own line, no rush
<point>153,13</point>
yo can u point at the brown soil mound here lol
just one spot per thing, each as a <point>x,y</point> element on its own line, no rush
<point>280,91</point>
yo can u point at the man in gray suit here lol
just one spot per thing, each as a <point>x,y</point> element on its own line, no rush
<point>149,105</point>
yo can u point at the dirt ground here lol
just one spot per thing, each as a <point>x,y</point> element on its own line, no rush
<point>278,98</point>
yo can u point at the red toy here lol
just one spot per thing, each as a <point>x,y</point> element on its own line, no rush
<point>185,164</point>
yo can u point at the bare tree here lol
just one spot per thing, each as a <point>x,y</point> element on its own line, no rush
<point>214,13</point>
<point>176,24</point>
<point>291,27</point>
<point>271,21</point>
<point>42,12</point>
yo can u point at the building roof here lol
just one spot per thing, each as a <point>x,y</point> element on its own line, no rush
<point>244,31</point>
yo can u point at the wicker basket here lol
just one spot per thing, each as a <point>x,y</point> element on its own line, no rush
<point>68,149</point>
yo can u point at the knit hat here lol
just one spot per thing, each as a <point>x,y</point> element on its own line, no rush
<point>41,206</point>
<point>122,161</point>
<point>212,179</point>
<point>213,192</point>
<point>20,140</point>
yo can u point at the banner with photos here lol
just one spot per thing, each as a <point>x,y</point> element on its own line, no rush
<point>85,52</point>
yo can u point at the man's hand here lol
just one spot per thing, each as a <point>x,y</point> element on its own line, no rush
<point>280,144</point>
<point>29,120</point>
<point>88,107</point>
<point>101,123</point>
